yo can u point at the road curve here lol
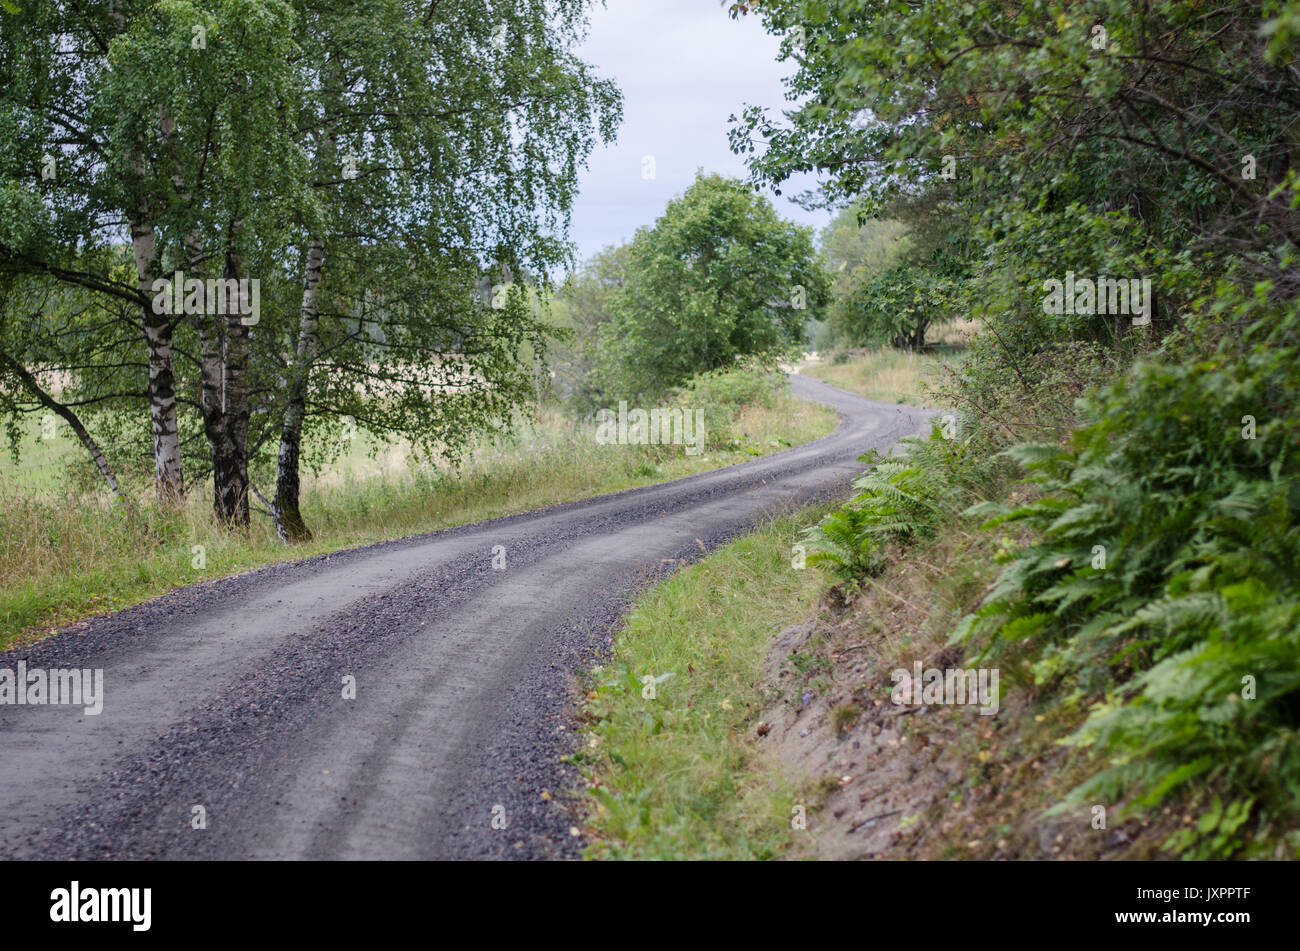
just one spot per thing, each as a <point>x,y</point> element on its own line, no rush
<point>228,695</point>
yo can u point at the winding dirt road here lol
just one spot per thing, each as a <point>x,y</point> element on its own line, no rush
<point>229,695</point>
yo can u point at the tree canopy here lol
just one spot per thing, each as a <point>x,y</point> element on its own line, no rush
<point>367,164</point>
<point>719,276</point>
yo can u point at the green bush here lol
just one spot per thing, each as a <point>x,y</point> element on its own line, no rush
<point>1162,592</point>
<point>723,394</point>
<point>735,388</point>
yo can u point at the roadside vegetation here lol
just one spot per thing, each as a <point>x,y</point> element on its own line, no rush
<point>669,757</point>
<point>68,549</point>
<point>1133,449</point>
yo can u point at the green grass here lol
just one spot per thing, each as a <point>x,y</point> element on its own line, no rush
<point>678,776</point>
<point>65,555</point>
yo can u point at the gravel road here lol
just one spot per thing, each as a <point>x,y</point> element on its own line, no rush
<point>229,695</point>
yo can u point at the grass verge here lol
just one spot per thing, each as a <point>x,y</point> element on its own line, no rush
<point>677,775</point>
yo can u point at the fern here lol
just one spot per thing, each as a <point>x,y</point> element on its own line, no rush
<point>1185,636</point>
<point>896,502</point>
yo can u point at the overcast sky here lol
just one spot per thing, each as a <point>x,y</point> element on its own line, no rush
<point>684,66</point>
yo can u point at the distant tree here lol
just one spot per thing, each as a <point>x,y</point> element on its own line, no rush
<point>897,307</point>
<point>920,285</point>
<point>857,247</point>
<point>585,306</point>
<point>719,276</point>
<point>857,250</point>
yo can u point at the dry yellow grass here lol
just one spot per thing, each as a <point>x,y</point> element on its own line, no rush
<point>892,376</point>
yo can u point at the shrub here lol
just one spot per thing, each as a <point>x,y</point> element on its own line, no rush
<point>1163,587</point>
